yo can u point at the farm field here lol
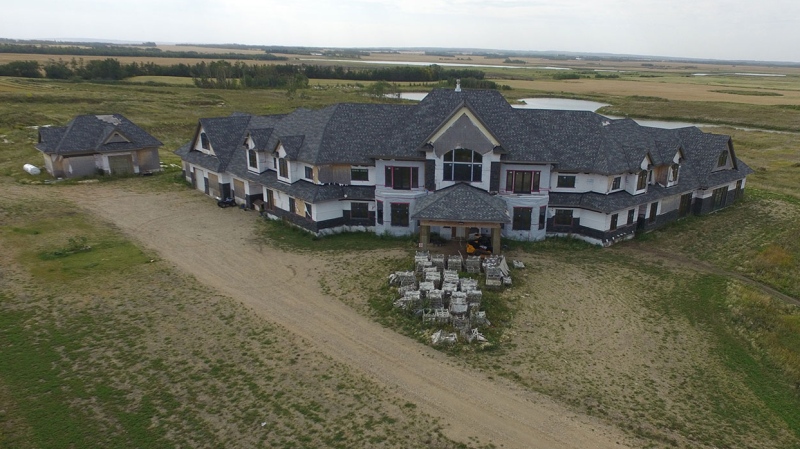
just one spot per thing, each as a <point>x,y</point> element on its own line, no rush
<point>666,341</point>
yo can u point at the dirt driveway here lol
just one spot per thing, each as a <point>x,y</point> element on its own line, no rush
<point>217,247</point>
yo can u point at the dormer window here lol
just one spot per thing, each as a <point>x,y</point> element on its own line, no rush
<point>204,144</point>
<point>252,159</point>
<point>673,173</point>
<point>641,182</point>
<point>723,159</point>
<point>283,168</point>
<point>617,183</point>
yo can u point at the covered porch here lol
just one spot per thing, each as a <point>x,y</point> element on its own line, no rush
<point>461,207</point>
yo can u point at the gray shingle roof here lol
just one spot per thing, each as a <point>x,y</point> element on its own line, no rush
<point>86,134</point>
<point>461,202</point>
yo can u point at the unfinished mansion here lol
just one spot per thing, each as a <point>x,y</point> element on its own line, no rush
<point>460,160</point>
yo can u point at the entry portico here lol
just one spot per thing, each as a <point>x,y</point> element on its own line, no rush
<point>461,206</point>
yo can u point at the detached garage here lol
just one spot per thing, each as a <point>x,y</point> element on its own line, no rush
<point>98,144</point>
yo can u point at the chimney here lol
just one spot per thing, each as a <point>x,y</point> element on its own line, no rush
<point>458,85</point>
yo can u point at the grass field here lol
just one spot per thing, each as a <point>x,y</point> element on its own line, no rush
<point>676,356</point>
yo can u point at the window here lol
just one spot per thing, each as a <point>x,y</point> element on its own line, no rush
<point>309,173</point>
<point>566,181</point>
<point>723,159</point>
<point>720,195</point>
<point>617,183</point>
<point>402,178</point>
<point>563,217</point>
<point>359,210</point>
<point>673,172</point>
<point>292,205</point>
<point>359,174</point>
<point>379,213</point>
<point>204,141</point>
<point>631,216</point>
<point>542,216</point>
<point>308,211</point>
<point>641,182</point>
<point>462,165</point>
<point>686,203</point>
<point>522,181</point>
<point>275,163</point>
<point>399,214</point>
<point>283,170</point>
<point>653,212</point>
<point>522,218</point>
<point>614,219</point>
<point>252,159</point>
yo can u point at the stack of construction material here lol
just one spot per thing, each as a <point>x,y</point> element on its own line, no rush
<point>473,264</point>
<point>422,265</point>
<point>406,288</point>
<point>478,318</point>
<point>441,315</point>
<point>454,262</point>
<point>409,300</point>
<point>421,256</point>
<point>494,278</point>
<point>449,287</point>
<point>450,276</point>
<point>458,304</point>
<point>425,287</point>
<point>435,299</point>
<point>467,284</point>
<point>474,298</point>
<point>461,324</point>
<point>402,278</point>
<point>438,261</point>
<point>433,276</point>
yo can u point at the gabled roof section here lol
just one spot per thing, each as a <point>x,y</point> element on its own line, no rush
<point>461,202</point>
<point>87,134</point>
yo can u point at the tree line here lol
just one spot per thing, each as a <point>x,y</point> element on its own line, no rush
<point>120,50</point>
<point>227,75</point>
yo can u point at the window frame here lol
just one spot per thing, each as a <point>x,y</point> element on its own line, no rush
<point>309,212</point>
<point>614,220</point>
<point>722,159</point>
<point>390,177</point>
<point>720,196</point>
<point>308,172</point>
<point>616,183</point>
<point>542,217</point>
<point>283,168</point>
<point>359,205</point>
<point>252,156</point>
<point>513,181</point>
<point>204,142</point>
<point>631,216</point>
<point>379,212</point>
<point>521,217</point>
<point>398,207</point>
<point>641,181</point>
<point>566,181</point>
<point>451,165</point>
<point>354,170</point>
<point>559,217</point>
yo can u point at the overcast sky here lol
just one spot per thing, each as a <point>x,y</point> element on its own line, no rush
<point>767,30</point>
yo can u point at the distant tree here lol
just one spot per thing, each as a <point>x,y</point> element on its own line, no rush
<point>25,69</point>
<point>58,70</point>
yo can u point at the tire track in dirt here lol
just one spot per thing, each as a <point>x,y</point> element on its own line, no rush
<point>216,246</point>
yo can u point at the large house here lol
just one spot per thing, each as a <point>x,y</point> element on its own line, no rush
<point>460,160</point>
<point>96,144</point>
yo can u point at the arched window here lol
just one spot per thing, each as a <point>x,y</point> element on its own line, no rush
<point>462,164</point>
<point>204,141</point>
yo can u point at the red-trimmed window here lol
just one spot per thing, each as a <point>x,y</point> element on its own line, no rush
<point>522,181</point>
<point>402,178</point>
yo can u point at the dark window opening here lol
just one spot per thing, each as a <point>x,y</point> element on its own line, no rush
<point>309,173</point>
<point>617,183</point>
<point>292,206</point>
<point>359,210</point>
<point>204,141</point>
<point>522,218</point>
<point>462,165</point>
<point>379,213</point>
<point>674,172</point>
<point>399,214</point>
<point>723,159</point>
<point>522,181</point>
<point>359,174</point>
<point>563,217</point>
<point>542,216</point>
<point>566,181</point>
<point>686,204</point>
<point>653,213</point>
<point>614,219</point>
<point>308,211</point>
<point>402,178</point>
<point>641,182</point>
<point>631,216</point>
<point>283,171</point>
<point>252,159</point>
<point>720,195</point>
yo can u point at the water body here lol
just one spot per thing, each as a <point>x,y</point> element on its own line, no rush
<point>566,104</point>
<point>443,64</point>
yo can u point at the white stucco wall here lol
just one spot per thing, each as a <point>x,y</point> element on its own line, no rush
<point>535,203</point>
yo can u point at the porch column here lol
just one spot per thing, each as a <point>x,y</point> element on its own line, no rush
<point>495,240</point>
<point>424,236</point>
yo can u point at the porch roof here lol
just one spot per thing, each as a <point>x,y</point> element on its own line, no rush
<point>461,203</point>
